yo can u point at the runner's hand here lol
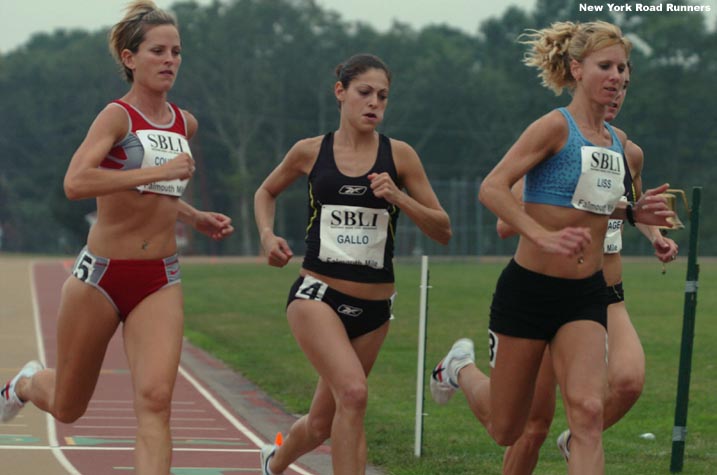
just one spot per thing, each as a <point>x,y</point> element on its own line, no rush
<point>215,225</point>
<point>278,252</point>
<point>181,167</point>
<point>665,249</point>
<point>652,207</point>
<point>383,187</point>
<point>566,242</point>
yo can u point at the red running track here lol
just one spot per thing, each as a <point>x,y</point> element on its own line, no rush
<point>209,438</point>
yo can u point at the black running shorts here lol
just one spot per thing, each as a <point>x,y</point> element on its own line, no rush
<point>358,316</point>
<point>615,294</point>
<point>527,304</point>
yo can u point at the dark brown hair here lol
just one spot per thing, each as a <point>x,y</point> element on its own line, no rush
<point>359,64</point>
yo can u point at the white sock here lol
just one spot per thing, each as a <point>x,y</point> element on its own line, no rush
<point>457,365</point>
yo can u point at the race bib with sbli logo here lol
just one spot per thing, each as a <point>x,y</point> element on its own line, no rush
<point>159,148</point>
<point>601,180</point>
<point>353,235</point>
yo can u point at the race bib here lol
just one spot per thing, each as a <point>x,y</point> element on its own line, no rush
<point>353,235</point>
<point>311,288</point>
<point>88,268</point>
<point>159,148</point>
<point>613,236</point>
<point>492,348</point>
<point>601,180</point>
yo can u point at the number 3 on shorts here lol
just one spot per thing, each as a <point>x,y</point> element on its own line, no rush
<point>492,347</point>
<point>311,288</point>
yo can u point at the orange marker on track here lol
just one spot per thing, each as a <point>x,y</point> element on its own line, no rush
<point>279,439</point>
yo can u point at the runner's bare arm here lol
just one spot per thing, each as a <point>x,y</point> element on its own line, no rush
<point>84,179</point>
<point>419,202</point>
<point>297,162</point>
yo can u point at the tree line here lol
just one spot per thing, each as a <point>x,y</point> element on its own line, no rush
<point>258,74</point>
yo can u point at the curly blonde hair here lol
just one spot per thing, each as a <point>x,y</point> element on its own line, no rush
<point>129,32</point>
<point>552,49</point>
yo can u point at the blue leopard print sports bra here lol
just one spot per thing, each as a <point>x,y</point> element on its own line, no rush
<point>581,175</point>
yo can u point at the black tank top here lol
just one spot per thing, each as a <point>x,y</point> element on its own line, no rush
<point>350,232</point>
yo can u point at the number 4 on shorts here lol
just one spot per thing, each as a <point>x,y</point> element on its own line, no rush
<point>311,289</point>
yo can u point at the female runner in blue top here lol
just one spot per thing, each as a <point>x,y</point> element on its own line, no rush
<point>553,290</point>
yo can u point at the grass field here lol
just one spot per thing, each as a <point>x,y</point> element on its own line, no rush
<point>236,312</point>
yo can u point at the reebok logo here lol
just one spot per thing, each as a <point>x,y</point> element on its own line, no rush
<point>352,190</point>
<point>350,311</point>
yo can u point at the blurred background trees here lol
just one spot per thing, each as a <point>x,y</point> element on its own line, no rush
<point>259,75</point>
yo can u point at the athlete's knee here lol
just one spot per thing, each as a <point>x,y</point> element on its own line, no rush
<point>68,413</point>
<point>506,433</point>
<point>535,433</point>
<point>585,414</point>
<point>154,398</point>
<point>505,436</point>
<point>627,387</point>
<point>319,426</point>
<point>353,397</point>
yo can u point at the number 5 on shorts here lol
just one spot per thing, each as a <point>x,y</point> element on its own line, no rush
<point>82,271</point>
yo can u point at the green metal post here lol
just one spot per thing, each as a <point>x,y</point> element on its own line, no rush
<point>679,430</point>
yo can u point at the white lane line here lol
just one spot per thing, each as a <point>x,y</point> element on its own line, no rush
<point>230,417</point>
<point>51,429</point>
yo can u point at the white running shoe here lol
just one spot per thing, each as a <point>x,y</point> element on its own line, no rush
<point>267,452</point>
<point>444,378</point>
<point>10,404</point>
<point>563,444</point>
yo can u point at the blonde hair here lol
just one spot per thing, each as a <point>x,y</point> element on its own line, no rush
<point>129,32</point>
<point>552,49</point>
